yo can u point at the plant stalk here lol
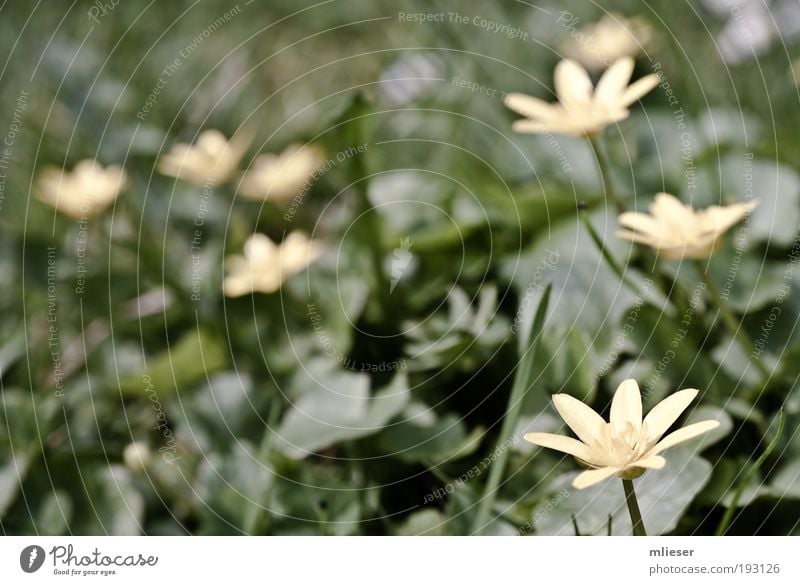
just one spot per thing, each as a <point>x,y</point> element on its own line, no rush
<point>604,167</point>
<point>604,252</point>
<point>633,508</point>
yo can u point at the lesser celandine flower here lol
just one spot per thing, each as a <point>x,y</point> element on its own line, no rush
<point>281,177</point>
<point>612,37</point>
<point>212,159</point>
<point>137,456</point>
<point>626,445</point>
<point>581,110</point>
<point>85,191</point>
<point>676,231</point>
<point>265,265</point>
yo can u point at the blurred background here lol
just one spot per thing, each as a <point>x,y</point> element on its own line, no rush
<point>365,395</point>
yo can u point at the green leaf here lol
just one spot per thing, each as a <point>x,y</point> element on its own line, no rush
<point>710,412</point>
<point>786,483</point>
<point>663,495</point>
<point>336,295</point>
<point>749,282</point>
<point>199,353</point>
<point>338,408</point>
<point>118,508</point>
<point>445,440</point>
<point>25,422</point>
<point>55,514</point>
<point>321,499</point>
<point>777,187</point>
<point>229,484</point>
<point>465,338</point>
<point>427,522</point>
<point>571,363</point>
<point>664,341</point>
<point>745,481</point>
<point>586,293</point>
<point>12,472</point>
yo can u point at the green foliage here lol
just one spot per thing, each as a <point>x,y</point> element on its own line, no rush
<point>370,393</point>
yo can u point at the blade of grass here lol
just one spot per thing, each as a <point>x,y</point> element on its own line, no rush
<point>521,384</point>
<point>728,517</point>
<point>254,511</point>
<point>575,525</point>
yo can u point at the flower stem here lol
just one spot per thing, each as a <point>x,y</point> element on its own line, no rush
<point>606,254</point>
<point>633,508</point>
<point>730,322</point>
<point>605,173</point>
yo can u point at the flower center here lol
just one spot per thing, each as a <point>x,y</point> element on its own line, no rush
<point>624,445</point>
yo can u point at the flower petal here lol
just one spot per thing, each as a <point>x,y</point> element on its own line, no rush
<point>260,250</point>
<point>584,421</point>
<point>528,106</point>
<point>561,443</point>
<point>592,476</point>
<point>640,222</point>
<point>717,220</point>
<point>653,462</point>
<point>613,82</point>
<point>668,208</point>
<point>666,412</point>
<point>297,252</point>
<point>213,142</point>
<point>573,86</point>
<point>682,435</point>
<point>639,88</point>
<point>626,408</point>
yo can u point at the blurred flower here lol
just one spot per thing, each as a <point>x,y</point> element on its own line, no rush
<point>625,446</point>
<point>677,231</point>
<point>581,109</point>
<point>612,37</point>
<point>86,191</point>
<point>136,456</point>
<point>266,265</point>
<point>281,177</point>
<point>212,159</point>
<point>753,26</point>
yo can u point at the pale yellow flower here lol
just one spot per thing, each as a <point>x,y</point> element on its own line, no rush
<point>265,265</point>
<point>612,37</point>
<point>625,446</point>
<point>280,177</point>
<point>210,161</point>
<point>85,191</point>
<point>677,231</point>
<point>137,456</point>
<point>581,109</point>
